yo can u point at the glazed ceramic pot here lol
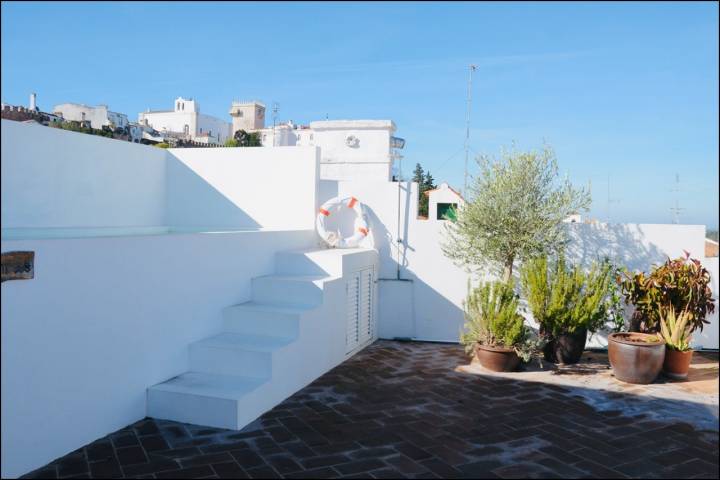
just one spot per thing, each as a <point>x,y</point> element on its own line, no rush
<point>497,359</point>
<point>636,357</point>
<point>677,364</point>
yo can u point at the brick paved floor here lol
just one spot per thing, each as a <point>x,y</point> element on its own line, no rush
<point>402,410</point>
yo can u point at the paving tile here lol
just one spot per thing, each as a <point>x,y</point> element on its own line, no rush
<point>400,410</point>
<point>229,470</point>
<point>130,455</point>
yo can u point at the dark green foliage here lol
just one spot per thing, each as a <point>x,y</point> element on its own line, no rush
<point>245,139</point>
<point>491,317</point>
<point>680,283</point>
<point>566,298</point>
<point>425,183</point>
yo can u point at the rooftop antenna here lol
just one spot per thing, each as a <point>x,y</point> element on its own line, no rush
<point>610,200</point>
<point>275,109</point>
<point>467,125</point>
<point>676,209</point>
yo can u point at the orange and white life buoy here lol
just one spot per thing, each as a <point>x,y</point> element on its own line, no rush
<point>360,227</point>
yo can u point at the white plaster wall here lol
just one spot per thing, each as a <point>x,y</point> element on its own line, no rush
<point>710,333</point>
<point>214,125</point>
<point>439,287</point>
<point>170,121</point>
<point>369,159</point>
<point>55,178</point>
<point>105,318</point>
<point>242,187</point>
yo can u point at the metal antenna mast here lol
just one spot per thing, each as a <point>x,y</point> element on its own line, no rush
<point>610,200</point>
<point>275,109</point>
<point>676,209</point>
<point>467,125</point>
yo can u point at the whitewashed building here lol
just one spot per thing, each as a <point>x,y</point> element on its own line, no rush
<point>185,120</point>
<point>442,199</point>
<point>99,116</point>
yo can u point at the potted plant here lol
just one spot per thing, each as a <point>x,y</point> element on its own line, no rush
<point>494,330</point>
<point>676,331</point>
<point>680,285</point>
<point>568,302</point>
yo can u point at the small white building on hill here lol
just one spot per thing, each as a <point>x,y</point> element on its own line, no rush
<point>185,120</point>
<point>98,117</point>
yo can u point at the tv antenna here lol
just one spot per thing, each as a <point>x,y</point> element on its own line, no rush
<point>676,209</point>
<point>610,200</point>
<point>275,108</point>
<point>467,125</point>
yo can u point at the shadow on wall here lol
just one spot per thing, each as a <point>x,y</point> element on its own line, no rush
<point>193,202</point>
<point>621,243</point>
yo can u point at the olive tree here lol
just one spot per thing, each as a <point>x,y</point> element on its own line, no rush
<point>514,211</point>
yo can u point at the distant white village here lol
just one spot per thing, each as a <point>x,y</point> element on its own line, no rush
<point>185,126</point>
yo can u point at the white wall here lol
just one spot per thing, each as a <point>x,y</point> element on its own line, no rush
<point>105,318</point>
<point>242,187</point>
<point>214,125</point>
<point>439,287</point>
<point>369,159</point>
<point>57,178</point>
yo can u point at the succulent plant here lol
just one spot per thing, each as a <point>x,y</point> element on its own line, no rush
<point>675,329</point>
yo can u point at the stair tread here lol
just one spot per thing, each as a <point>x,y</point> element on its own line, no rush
<point>210,385</point>
<point>257,343</point>
<point>274,307</point>
<point>295,278</point>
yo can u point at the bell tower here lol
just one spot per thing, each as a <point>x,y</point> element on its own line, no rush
<point>248,116</point>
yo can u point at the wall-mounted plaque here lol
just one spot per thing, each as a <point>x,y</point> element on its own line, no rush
<point>18,265</point>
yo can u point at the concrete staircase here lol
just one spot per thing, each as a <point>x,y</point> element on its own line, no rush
<point>289,333</point>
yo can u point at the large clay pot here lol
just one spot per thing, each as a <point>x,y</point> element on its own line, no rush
<point>677,364</point>
<point>567,348</point>
<point>497,359</point>
<point>636,357</point>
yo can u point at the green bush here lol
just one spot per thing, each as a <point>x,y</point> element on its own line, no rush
<point>491,317</point>
<point>682,283</point>
<point>566,298</point>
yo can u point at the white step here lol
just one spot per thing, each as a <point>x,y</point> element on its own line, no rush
<point>203,399</point>
<point>235,354</point>
<point>289,290</point>
<point>325,261</point>
<point>251,318</point>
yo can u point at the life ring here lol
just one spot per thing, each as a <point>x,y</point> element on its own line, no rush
<point>360,227</point>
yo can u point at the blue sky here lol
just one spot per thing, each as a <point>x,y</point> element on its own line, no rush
<point>625,90</point>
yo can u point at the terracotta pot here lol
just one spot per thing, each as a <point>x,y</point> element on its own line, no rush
<point>567,348</point>
<point>497,359</point>
<point>677,364</point>
<point>636,357</point>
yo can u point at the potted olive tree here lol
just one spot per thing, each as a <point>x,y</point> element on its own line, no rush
<point>680,285</point>
<point>494,330</point>
<point>569,302</point>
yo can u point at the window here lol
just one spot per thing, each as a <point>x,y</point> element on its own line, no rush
<point>186,129</point>
<point>442,209</point>
<point>178,105</point>
<point>183,106</point>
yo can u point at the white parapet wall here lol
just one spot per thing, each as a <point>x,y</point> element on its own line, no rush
<point>54,178</point>
<point>423,298</point>
<point>61,183</point>
<point>252,187</point>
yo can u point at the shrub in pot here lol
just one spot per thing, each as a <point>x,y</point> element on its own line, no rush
<point>676,331</point>
<point>682,283</point>
<point>568,302</point>
<point>679,285</point>
<point>494,330</point>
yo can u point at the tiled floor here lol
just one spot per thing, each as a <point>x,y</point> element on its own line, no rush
<point>404,410</point>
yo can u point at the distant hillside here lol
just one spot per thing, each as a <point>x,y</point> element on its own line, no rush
<point>712,234</point>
